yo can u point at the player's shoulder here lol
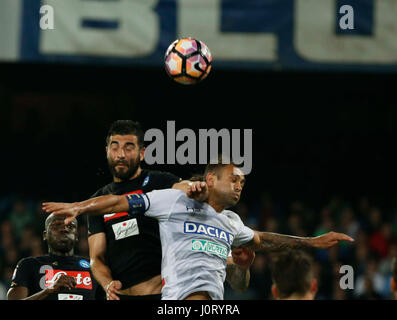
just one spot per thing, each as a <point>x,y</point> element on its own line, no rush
<point>31,261</point>
<point>107,189</point>
<point>231,215</point>
<point>158,176</point>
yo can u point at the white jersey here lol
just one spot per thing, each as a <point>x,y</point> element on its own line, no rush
<point>196,241</point>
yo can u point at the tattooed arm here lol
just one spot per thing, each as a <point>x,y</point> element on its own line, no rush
<point>237,270</point>
<point>268,241</point>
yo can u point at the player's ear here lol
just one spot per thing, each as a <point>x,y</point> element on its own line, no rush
<point>274,291</point>
<point>314,286</point>
<point>142,153</point>
<point>210,179</point>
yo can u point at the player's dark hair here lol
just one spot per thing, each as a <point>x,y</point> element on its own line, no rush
<point>292,273</point>
<point>196,177</point>
<point>394,268</point>
<point>124,127</point>
<point>216,168</point>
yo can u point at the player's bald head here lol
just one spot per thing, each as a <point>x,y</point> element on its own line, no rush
<point>53,217</point>
<point>216,167</point>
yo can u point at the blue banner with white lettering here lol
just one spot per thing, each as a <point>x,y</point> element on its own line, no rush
<point>339,35</point>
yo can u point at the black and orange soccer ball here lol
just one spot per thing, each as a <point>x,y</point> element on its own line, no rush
<point>188,61</point>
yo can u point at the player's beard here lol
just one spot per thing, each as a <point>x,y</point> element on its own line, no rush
<point>122,173</point>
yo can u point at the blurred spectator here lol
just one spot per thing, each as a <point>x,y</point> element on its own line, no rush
<point>263,210</point>
<point>7,236</point>
<point>375,220</point>
<point>368,290</point>
<point>393,284</point>
<point>370,285</point>
<point>380,241</point>
<point>20,217</point>
<point>363,209</point>
<point>348,224</point>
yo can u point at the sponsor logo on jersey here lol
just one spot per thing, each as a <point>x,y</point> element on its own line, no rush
<point>201,228</point>
<point>125,229</point>
<point>65,296</point>
<point>111,216</point>
<point>83,278</point>
<point>84,264</point>
<point>210,247</point>
<point>192,209</point>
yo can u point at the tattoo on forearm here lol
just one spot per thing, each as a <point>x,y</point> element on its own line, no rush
<point>277,242</point>
<point>238,278</point>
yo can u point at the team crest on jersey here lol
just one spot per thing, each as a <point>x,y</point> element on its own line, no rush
<point>84,264</point>
<point>201,228</point>
<point>146,181</point>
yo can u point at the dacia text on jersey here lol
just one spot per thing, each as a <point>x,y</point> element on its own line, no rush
<point>201,228</point>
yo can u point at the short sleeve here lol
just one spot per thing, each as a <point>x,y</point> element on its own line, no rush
<point>244,234</point>
<point>22,275</point>
<point>95,224</point>
<point>161,203</point>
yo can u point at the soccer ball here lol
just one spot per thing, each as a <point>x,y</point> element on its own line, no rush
<point>188,61</point>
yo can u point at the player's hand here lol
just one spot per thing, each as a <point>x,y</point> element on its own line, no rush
<point>112,289</point>
<point>64,282</point>
<point>243,257</point>
<point>330,239</point>
<point>198,191</point>
<point>70,210</point>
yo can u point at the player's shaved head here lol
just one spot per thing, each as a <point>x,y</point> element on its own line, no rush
<point>217,168</point>
<point>52,217</point>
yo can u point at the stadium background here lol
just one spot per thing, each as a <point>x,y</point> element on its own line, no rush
<point>323,146</point>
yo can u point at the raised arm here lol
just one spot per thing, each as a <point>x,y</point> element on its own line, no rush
<point>95,206</point>
<point>268,241</point>
<point>112,203</point>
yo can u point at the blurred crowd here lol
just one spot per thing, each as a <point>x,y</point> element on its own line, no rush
<point>373,228</point>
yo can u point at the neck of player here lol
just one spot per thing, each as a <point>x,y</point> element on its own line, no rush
<point>60,253</point>
<point>215,204</point>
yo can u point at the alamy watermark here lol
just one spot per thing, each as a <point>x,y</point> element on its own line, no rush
<point>347,280</point>
<point>194,147</point>
<point>347,20</point>
<point>47,21</point>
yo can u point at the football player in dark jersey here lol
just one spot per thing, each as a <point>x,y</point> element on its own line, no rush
<point>60,275</point>
<point>125,251</point>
